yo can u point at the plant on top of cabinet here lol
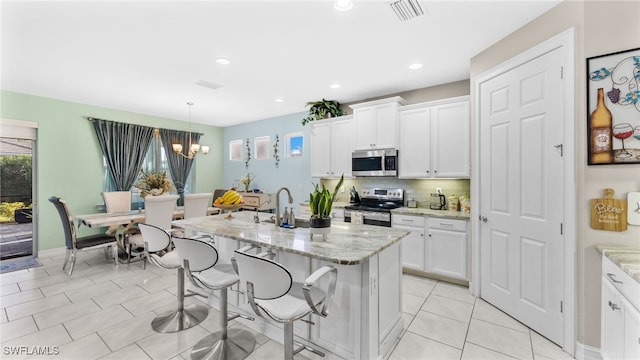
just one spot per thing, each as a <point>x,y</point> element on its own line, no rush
<point>322,109</point>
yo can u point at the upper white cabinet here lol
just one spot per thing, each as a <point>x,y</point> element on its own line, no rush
<point>376,124</point>
<point>331,147</point>
<point>434,139</point>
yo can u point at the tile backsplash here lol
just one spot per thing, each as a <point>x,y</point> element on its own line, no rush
<point>418,189</point>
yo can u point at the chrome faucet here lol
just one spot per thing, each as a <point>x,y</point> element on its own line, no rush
<point>277,222</point>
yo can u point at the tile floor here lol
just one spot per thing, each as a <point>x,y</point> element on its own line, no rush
<point>104,312</point>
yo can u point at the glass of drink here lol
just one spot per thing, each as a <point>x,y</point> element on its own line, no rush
<point>623,131</point>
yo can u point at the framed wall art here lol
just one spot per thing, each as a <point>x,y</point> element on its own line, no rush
<point>613,108</point>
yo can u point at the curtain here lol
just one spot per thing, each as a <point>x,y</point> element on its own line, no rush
<point>179,166</point>
<point>124,147</point>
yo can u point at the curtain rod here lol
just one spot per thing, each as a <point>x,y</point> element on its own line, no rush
<point>156,128</point>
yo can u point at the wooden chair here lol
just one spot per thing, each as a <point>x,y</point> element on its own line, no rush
<point>74,243</point>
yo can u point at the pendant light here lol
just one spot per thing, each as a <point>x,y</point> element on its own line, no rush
<point>193,148</point>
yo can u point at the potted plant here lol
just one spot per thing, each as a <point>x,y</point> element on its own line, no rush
<point>322,109</point>
<point>154,183</point>
<point>321,202</point>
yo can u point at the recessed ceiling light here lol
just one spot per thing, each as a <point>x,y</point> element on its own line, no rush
<point>335,86</point>
<point>415,66</point>
<point>343,5</point>
<point>223,61</point>
<point>278,100</point>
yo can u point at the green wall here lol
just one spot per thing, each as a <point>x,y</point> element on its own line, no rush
<point>69,160</point>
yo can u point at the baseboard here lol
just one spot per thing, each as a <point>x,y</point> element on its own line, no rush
<point>585,352</point>
<point>51,252</point>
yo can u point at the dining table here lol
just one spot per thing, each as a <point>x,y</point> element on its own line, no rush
<point>125,220</point>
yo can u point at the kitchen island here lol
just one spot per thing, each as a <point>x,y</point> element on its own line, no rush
<point>365,319</point>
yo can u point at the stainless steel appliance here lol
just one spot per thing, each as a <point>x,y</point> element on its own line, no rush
<point>438,201</point>
<point>375,206</point>
<point>380,162</point>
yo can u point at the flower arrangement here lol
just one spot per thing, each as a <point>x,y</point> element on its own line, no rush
<point>246,181</point>
<point>153,183</point>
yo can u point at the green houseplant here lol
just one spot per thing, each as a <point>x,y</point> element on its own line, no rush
<point>321,202</point>
<point>322,109</point>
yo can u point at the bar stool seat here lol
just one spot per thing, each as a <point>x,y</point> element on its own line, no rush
<point>200,263</point>
<point>271,291</point>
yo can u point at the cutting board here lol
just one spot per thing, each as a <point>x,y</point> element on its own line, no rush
<point>633,213</point>
<point>609,213</point>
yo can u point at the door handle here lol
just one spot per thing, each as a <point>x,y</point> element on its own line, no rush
<point>483,218</point>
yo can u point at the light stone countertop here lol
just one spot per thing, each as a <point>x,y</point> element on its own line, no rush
<point>346,243</point>
<point>626,257</point>
<point>434,213</point>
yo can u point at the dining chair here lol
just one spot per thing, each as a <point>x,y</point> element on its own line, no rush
<point>271,291</point>
<point>73,243</point>
<point>158,211</point>
<point>200,263</point>
<point>196,205</point>
<point>158,250</point>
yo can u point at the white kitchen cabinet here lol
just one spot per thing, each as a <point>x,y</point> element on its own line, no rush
<point>446,251</point>
<point>413,250</point>
<point>620,319</point>
<point>434,139</point>
<point>376,124</point>
<point>436,245</point>
<point>331,147</point>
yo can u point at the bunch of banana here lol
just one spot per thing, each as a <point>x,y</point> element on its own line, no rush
<point>231,197</point>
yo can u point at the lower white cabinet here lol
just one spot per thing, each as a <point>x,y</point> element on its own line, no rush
<point>620,320</point>
<point>412,244</point>
<point>435,245</point>
<point>447,248</point>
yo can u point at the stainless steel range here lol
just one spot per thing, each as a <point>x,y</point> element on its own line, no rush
<point>375,206</point>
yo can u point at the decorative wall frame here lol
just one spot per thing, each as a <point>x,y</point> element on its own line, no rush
<point>613,124</point>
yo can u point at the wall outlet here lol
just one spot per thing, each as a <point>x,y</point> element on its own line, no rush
<point>439,190</point>
<point>342,188</point>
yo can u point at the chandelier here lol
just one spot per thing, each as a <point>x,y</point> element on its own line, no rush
<point>193,148</point>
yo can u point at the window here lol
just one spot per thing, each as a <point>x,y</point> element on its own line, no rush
<point>293,144</point>
<point>235,150</point>
<point>262,145</point>
<point>155,161</point>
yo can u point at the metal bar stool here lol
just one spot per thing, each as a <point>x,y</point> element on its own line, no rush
<point>156,250</point>
<point>271,290</point>
<point>200,260</point>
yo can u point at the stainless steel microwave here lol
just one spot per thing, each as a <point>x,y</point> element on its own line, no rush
<point>379,162</point>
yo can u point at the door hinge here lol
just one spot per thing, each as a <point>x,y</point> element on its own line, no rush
<point>561,72</point>
<point>561,229</point>
<point>561,307</point>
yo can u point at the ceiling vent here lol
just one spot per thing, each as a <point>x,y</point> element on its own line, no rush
<point>406,9</point>
<point>208,84</point>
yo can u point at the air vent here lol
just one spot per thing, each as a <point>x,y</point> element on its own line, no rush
<point>208,84</point>
<point>406,9</point>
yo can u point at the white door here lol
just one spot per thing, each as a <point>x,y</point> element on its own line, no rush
<point>320,145</point>
<point>341,147</point>
<point>414,144</point>
<point>521,193</point>
<point>449,140</point>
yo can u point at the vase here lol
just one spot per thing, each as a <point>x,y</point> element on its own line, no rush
<point>319,226</point>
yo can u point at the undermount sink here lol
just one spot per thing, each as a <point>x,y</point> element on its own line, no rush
<point>301,223</point>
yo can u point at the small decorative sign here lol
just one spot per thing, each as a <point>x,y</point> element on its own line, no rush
<point>609,213</point>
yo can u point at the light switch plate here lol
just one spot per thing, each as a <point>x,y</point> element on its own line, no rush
<point>633,212</point>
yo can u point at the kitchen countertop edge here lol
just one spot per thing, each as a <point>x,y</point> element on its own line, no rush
<point>433,213</point>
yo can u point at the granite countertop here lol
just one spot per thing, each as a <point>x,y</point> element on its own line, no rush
<point>434,213</point>
<point>346,243</point>
<point>626,257</point>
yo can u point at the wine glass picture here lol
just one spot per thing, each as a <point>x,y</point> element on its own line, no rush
<point>622,132</point>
